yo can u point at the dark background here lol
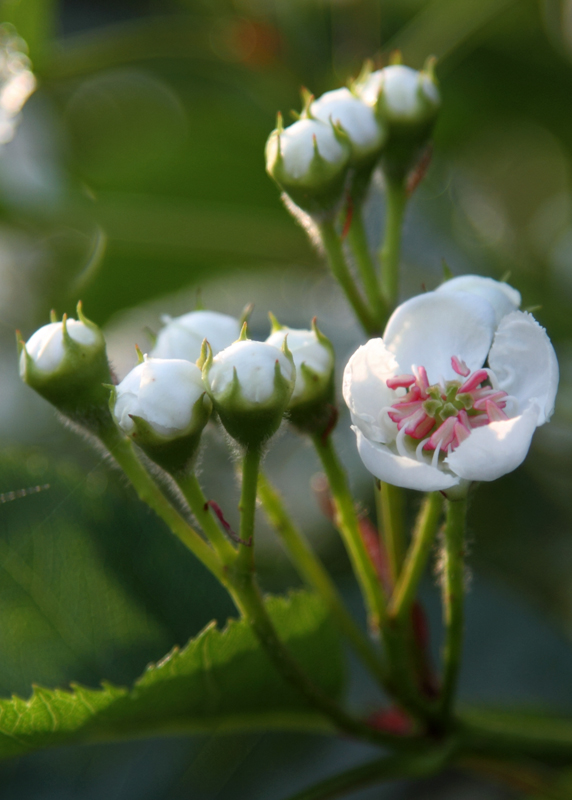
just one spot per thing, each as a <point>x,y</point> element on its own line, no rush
<point>137,176</point>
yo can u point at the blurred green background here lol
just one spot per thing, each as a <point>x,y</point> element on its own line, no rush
<point>135,177</point>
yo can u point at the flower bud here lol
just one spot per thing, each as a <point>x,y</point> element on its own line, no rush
<point>309,161</point>
<point>401,95</point>
<point>163,406</point>
<point>407,102</point>
<point>310,405</point>
<point>250,384</point>
<point>366,133</point>
<point>182,337</point>
<point>66,363</point>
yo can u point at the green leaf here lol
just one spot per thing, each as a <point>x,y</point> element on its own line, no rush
<point>220,681</point>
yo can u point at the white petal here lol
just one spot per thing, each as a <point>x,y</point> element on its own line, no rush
<point>502,297</point>
<point>182,337</point>
<point>366,392</point>
<point>401,471</point>
<point>524,362</point>
<point>254,363</point>
<point>356,118</point>
<point>495,449</point>
<point>306,349</point>
<point>429,329</point>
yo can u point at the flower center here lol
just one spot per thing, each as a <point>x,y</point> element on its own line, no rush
<point>444,414</point>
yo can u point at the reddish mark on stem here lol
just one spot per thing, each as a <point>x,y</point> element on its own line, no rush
<point>392,720</point>
<point>419,170</point>
<point>330,424</point>
<point>420,626</point>
<point>376,552</point>
<point>218,511</point>
<point>349,217</point>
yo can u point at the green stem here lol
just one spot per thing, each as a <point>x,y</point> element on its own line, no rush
<point>416,559</point>
<point>389,501</point>
<point>453,596</point>
<point>341,272</point>
<point>533,779</point>
<point>194,496</point>
<point>395,204</point>
<point>348,525</point>
<point>249,600</point>
<point>357,238</point>
<point>121,448</point>
<point>250,467</point>
<point>315,575</point>
<point>383,769</point>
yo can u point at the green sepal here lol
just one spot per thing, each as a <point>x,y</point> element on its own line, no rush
<point>252,425</point>
<point>274,324</point>
<point>205,358</point>
<point>244,337</point>
<point>140,356</point>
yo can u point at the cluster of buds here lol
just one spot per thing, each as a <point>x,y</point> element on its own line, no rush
<point>164,403</point>
<point>385,116</point>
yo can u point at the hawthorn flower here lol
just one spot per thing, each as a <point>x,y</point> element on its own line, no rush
<point>309,161</point>
<point>163,406</point>
<point>250,384</point>
<point>163,393</point>
<point>401,94</point>
<point>66,363</point>
<point>454,390</point>
<point>183,336</point>
<point>365,132</point>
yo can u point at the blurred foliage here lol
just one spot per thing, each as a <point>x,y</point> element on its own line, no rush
<point>137,174</point>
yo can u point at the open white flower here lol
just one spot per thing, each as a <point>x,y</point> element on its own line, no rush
<point>455,388</point>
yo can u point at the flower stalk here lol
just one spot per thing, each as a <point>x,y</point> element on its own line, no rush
<point>357,239</point>
<point>316,576</point>
<point>340,270</point>
<point>389,501</point>
<point>348,525</point>
<point>424,532</point>
<point>396,202</point>
<point>453,602</point>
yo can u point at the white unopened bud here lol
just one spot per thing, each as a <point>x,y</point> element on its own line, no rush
<point>401,94</point>
<point>47,349</point>
<point>183,336</point>
<point>66,363</point>
<point>250,384</point>
<point>309,161</point>
<point>163,406</point>
<point>366,134</point>
<point>162,393</point>
<point>314,361</point>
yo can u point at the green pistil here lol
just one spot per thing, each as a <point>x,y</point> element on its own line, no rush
<point>441,405</point>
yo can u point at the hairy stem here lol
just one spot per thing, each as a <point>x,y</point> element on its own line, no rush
<point>194,496</point>
<point>315,575</point>
<point>453,602</point>
<point>389,501</point>
<point>396,202</point>
<point>423,537</point>
<point>340,270</point>
<point>122,450</point>
<point>357,239</point>
<point>348,524</point>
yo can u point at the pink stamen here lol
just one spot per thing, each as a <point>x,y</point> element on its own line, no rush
<point>401,381</point>
<point>494,413</point>
<point>422,379</point>
<point>411,415</point>
<point>419,425</point>
<point>443,436</point>
<point>460,367</point>
<point>475,379</point>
